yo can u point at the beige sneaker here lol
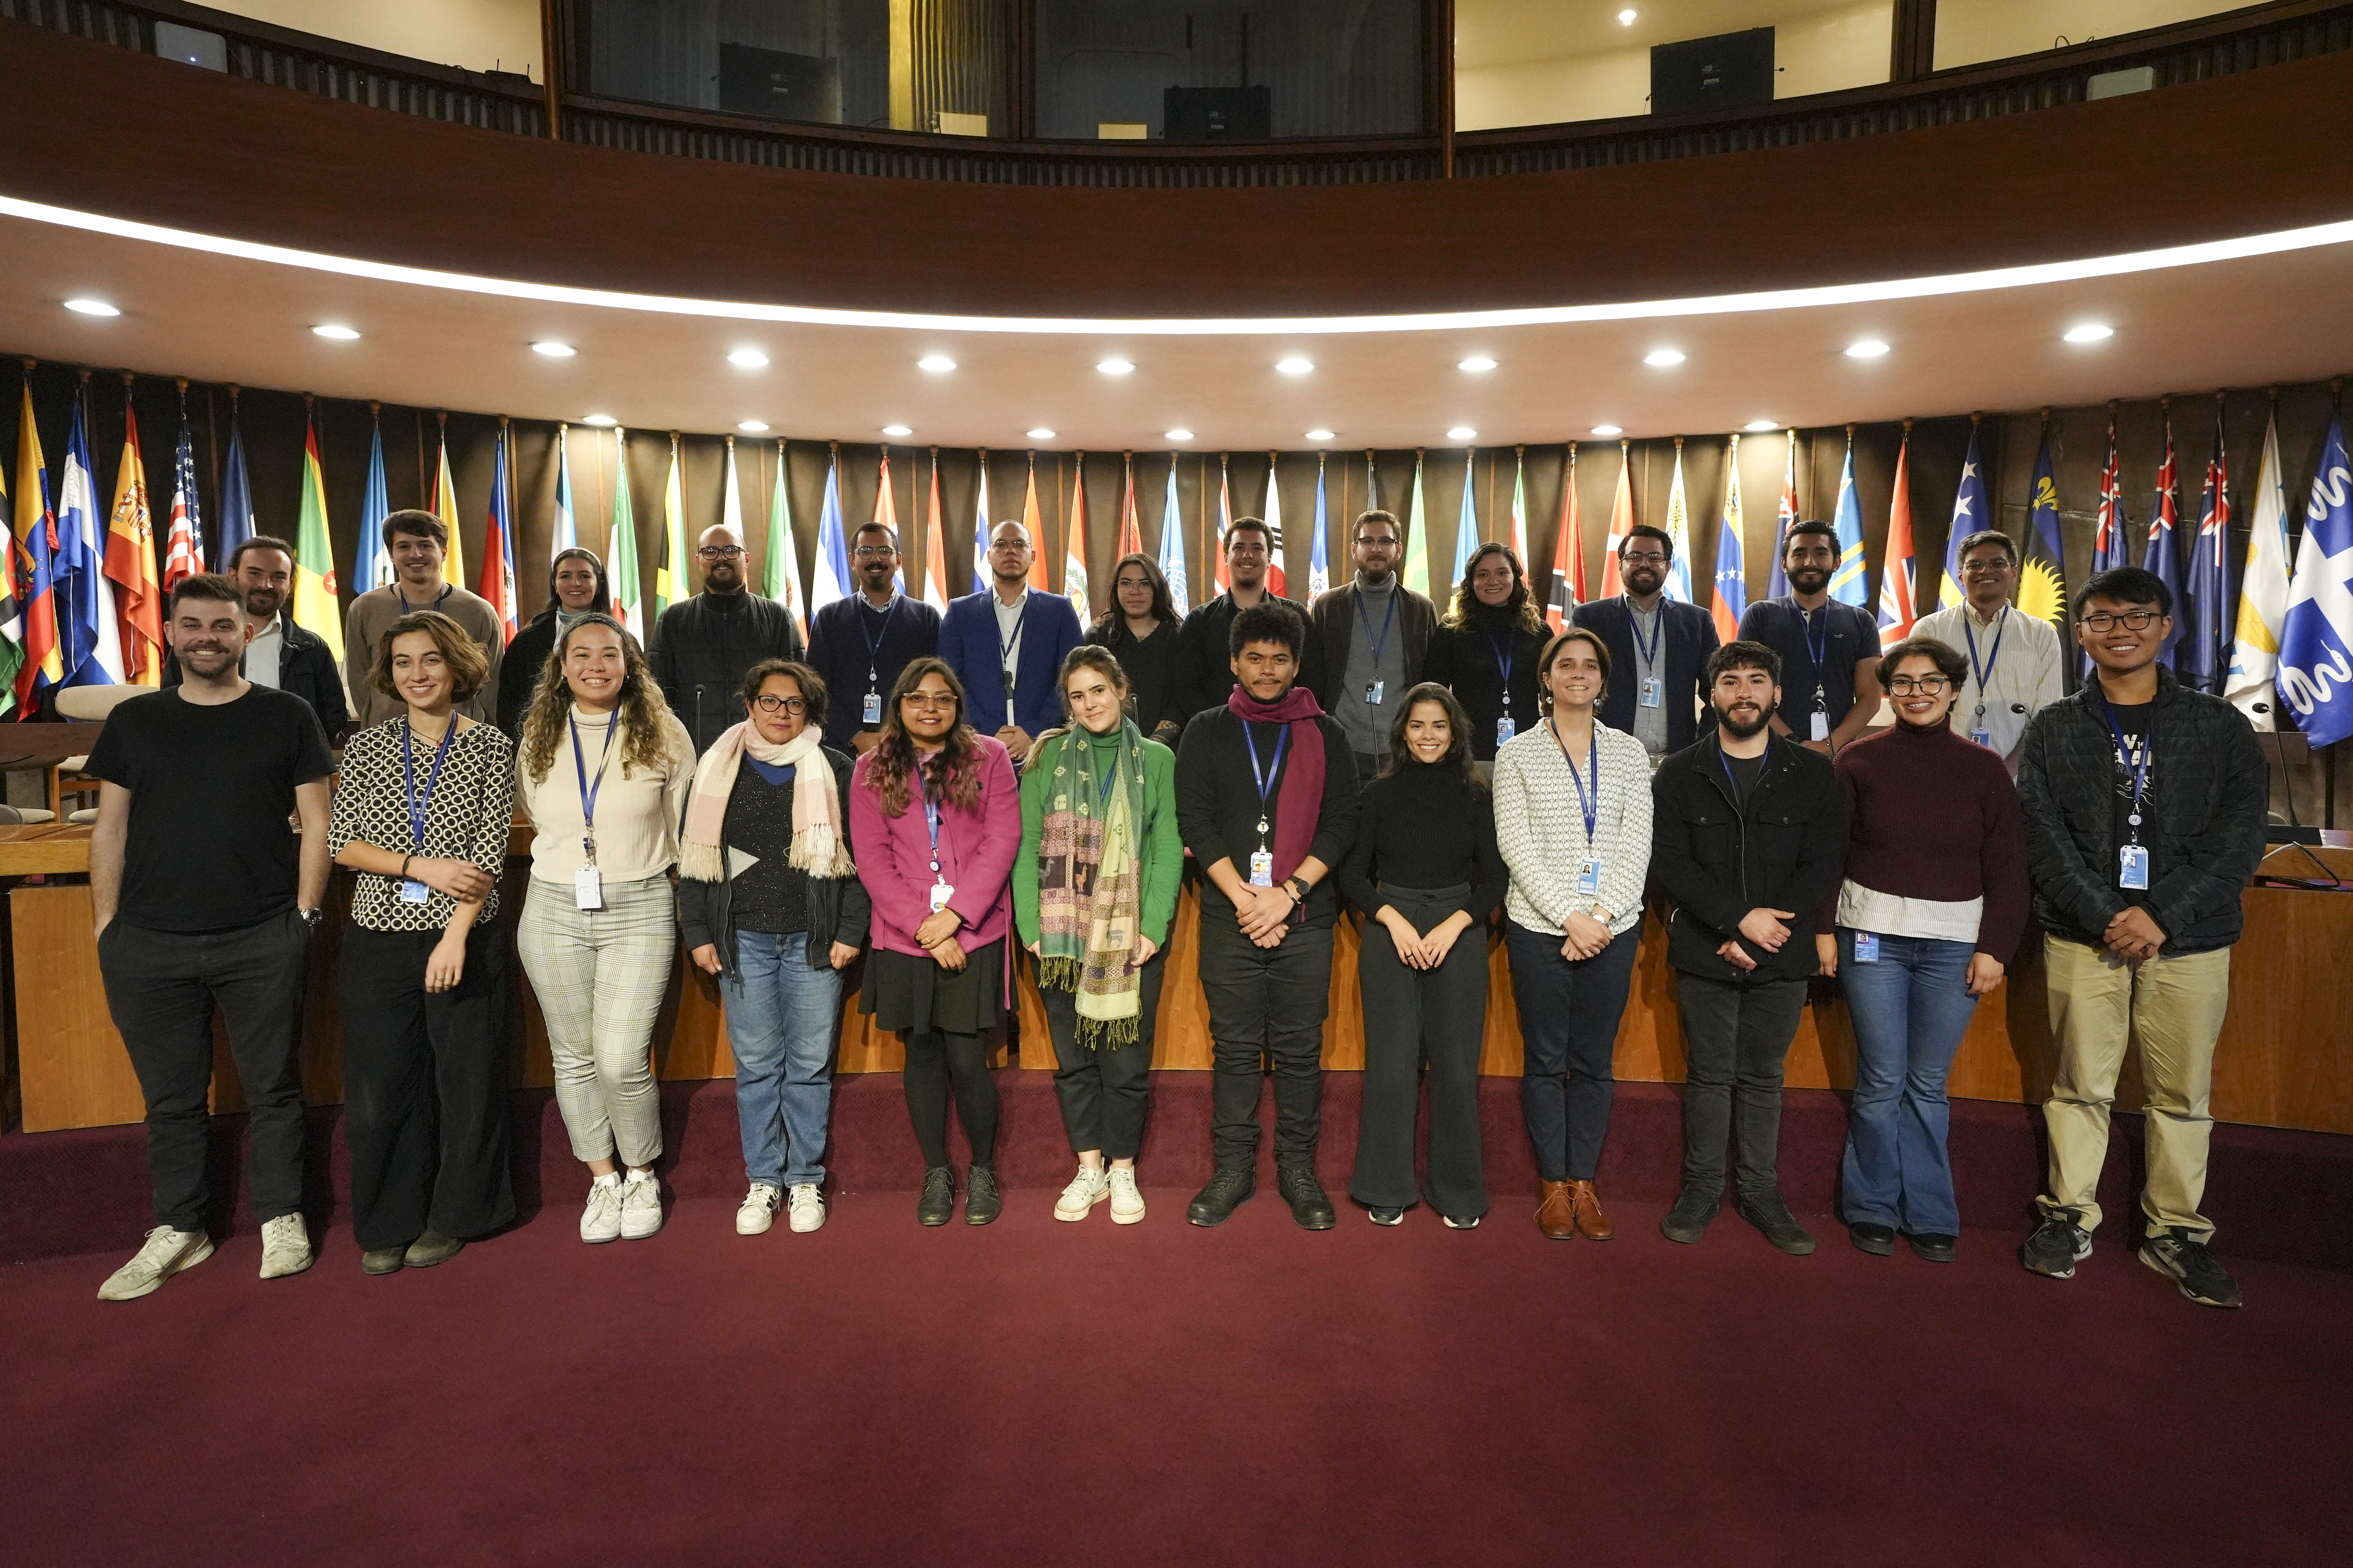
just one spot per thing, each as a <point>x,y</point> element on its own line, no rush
<point>164,1254</point>
<point>601,1219</point>
<point>285,1246</point>
<point>1126,1202</point>
<point>1087,1189</point>
<point>641,1210</point>
<point>805,1208</point>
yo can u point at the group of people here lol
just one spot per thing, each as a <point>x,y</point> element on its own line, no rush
<point>935,801</point>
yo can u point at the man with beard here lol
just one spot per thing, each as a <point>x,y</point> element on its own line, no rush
<point>1749,833</point>
<point>1007,645</point>
<point>418,542</point>
<point>1205,671</point>
<point>1657,647</point>
<point>1830,651</point>
<point>702,645</point>
<point>201,895</point>
<point>861,643</point>
<point>281,654</point>
<point>1376,634</point>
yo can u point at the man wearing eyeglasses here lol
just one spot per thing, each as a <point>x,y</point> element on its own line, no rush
<point>1657,645</point>
<point>2013,658</point>
<point>702,645</point>
<point>1374,633</point>
<point>861,643</point>
<point>2145,804</point>
<point>1006,644</point>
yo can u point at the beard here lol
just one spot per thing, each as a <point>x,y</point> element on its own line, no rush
<point>263,604</point>
<point>1743,728</point>
<point>1644,580</point>
<point>1808,579</point>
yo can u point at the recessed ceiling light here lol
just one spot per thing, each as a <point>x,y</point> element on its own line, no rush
<point>1294,365</point>
<point>602,421</point>
<point>341,334</point>
<point>938,364</point>
<point>1319,435</point>
<point>752,427</point>
<point>1664,357</point>
<point>1608,430</point>
<point>2089,332</point>
<point>750,359</point>
<point>1763,425</point>
<point>92,308</point>
<point>1039,434</point>
<point>1178,436</point>
<point>553,350</point>
<point>1476,364</point>
<point>1114,367</point>
<point>1626,18</point>
<point>1462,433</point>
<point>1868,348</point>
<point>896,430</point>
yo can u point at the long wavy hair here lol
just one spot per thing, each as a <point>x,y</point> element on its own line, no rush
<point>1456,758</point>
<point>1164,608</point>
<point>1520,608</point>
<point>603,603</point>
<point>641,712</point>
<point>951,773</point>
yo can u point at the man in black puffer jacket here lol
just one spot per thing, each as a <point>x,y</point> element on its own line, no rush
<point>702,647</point>
<point>2145,804</point>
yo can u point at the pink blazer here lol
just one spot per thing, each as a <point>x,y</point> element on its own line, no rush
<point>976,851</point>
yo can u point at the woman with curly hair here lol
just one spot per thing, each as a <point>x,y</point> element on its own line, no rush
<point>1486,650</point>
<point>605,771</point>
<point>937,821</point>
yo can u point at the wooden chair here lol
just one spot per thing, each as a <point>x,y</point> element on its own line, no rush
<point>85,704</point>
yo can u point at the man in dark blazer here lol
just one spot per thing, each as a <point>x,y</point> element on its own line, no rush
<point>1659,649</point>
<point>858,645</point>
<point>1008,630</point>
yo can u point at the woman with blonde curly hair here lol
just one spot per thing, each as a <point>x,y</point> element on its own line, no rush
<point>604,776</point>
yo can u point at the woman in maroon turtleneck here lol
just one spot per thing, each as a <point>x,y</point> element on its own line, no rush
<point>1933,904</point>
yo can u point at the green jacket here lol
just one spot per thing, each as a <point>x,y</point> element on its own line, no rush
<point>1164,850</point>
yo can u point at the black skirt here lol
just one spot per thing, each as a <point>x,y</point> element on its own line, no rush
<point>912,995</point>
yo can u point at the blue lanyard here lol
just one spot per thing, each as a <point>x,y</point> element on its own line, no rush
<point>409,609</point>
<point>874,639</point>
<point>1819,653</point>
<point>1265,777</point>
<point>1388,618</point>
<point>589,787</point>
<point>1985,672</point>
<point>1733,784</point>
<point>1004,644</point>
<point>1589,804</point>
<point>1111,776</point>
<point>931,812</point>
<point>1650,652</point>
<point>419,804</point>
<point>1502,647</point>
<point>2136,759</point>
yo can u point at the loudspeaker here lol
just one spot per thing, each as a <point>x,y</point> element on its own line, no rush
<point>775,85</point>
<point>1217,114</point>
<point>1730,71</point>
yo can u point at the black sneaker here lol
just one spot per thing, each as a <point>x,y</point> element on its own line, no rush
<point>1929,1247</point>
<point>1461,1222</point>
<point>1385,1216</point>
<point>1770,1216</point>
<point>938,1201</point>
<point>1688,1220</point>
<point>2183,1257</point>
<point>1295,1180</point>
<point>1879,1240</point>
<point>981,1202</point>
<point>1228,1190</point>
<point>2058,1244</point>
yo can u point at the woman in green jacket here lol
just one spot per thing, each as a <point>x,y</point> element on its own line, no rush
<point>1094,892</point>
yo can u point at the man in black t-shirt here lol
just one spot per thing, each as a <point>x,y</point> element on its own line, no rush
<point>201,895</point>
<point>1829,651</point>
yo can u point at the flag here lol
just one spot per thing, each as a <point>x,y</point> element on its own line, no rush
<point>1319,569</point>
<point>564,532</point>
<point>1074,543</point>
<point>731,503</point>
<point>1567,553</point>
<point>1225,520</point>
<point>1372,486</point>
<point>89,639</point>
<point>2042,577</point>
<point>1131,528</point>
<point>1032,522</point>
<point>1172,545</point>
<point>935,553</point>
<point>130,560</point>
<point>830,574</point>
<point>2263,593</point>
<point>1846,582</point>
<point>1466,526</point>
<point>1416,566</point>
<point>1730,600</point>
<point>1272,517</point>
<point>12,611</point>
<point>1518,539</point>
<point>2205,653</point>
<point>780,562</point>
<point>1971,512</point>
<point>2108,548</point>
<point>670,565</point>
<point>621,570</point>
<point>236,495</point>
<point>314,604</point>
<point>376,505</point>
<point>2315,653</point>
<point>33,558</point>
<point>183,553</point>
<point>1898,572</point>
<point>980,526</point>
<point>1785,512</point>
<point>445,507</point>
<point>498,587</point>
<point>886,512</point>
<point>2163,555</point>
<point>1679,576</point>
<point>1622,522</point>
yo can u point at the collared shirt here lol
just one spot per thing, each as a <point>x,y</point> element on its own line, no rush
<point>265,653</point>
<point>1008,637</point>
<point>2028,674</point>
<point>1650,632</point>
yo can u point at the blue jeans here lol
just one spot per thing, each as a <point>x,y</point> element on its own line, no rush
<point>780,1024</point>
<point>1910,1010</point>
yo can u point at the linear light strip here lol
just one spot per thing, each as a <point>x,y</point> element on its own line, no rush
<point>2272,244</point>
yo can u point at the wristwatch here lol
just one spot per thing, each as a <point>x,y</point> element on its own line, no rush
<point>1297,888</point>
<point>312,918</point>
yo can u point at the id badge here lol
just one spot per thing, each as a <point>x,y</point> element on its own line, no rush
<point>1651,691</point>
<point>1866,947</point>
<point>413,892</point>
<point>1820,728</point>
<point>1983,738</point>
<point>587,888</point>
<point>1505,729</point>
<point>1588,877</point>
<point>941,894</point>
<point>1262,870</point>
<point>870,712</point>
<point>2132,868</point>
<point>1373,692</point>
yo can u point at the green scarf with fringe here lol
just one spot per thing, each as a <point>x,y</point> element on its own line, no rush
<point>1091,879</point>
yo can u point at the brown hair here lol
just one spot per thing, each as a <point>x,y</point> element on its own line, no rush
<point>641,711</point>
<point>1519,608</point>
<point>812,686</point>
<point>418,524</point>
<point>469,668</point>
<point>1585,634</point>
<point>1457,749</point>
<point>952,774</point>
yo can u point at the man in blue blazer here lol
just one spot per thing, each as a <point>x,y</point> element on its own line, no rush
<point>1009,631</point>
<point>1657,649</point>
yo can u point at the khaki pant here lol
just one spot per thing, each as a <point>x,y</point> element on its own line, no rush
<point>2175,1005</point>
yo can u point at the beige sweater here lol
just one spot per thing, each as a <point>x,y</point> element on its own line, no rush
<point>377,608</point>
<point>637,811</point>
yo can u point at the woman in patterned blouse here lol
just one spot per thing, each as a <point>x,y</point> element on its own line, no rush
<point>421,813</point>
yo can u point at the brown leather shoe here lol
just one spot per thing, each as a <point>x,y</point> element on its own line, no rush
<point>1556,1213</point>
<point>1590,1220</point>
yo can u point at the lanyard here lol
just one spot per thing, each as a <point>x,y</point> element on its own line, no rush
<point>874,639</point>
<point>2136,759</point>
<point>589,787</point>
<point>409,609</point>
<point>1589,804</point>
<point>1111,776</point>
<point>1725,763</point>
<point>1650,652</point>
<point>1819,652</point>
<point>1004,644</point>
<point>419,804</point>
<point>1502,647</point>
<point>930,812</point>
<point>1266,777</point>
<point>1985,672</point>
<point>1388,618</point>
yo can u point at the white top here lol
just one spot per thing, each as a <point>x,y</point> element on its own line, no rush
<point>264,653</point>
<point>1008,637</point>
<point>1540,828</point>
<point>637,810</point>
<point>1886,914</point>
<point>2027,674</point>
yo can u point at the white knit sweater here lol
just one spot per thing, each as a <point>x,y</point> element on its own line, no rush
<point>1540,827</point>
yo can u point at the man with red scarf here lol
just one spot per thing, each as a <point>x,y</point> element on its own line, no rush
<point>1266,799</point>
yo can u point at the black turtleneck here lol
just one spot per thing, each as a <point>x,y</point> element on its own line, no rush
<point>1423,825</point>
<point>1465,658</point>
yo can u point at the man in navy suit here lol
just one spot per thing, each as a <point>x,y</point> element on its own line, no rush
<point>1007,645</point>
<point>1657,649</point>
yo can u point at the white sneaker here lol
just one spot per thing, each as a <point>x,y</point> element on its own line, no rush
<point>806,1211</point>
<point>164,1254</point>
<point>1087,1189</point>
<point>601,1220</point>
<point>1126,1202</point>
<point>285,1246</point>
<point>641,1213</point>
<point>759,1210</point>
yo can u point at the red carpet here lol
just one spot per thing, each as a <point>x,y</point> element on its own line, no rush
<point>1044,1394</point>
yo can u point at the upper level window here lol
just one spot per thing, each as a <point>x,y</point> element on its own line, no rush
<point>1969,32</point>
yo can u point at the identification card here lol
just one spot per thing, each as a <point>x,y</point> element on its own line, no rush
<point>1262,870</point>
<point>1505,729</point>
<point>1651,697</point>
<point>413,892</point>
<point>1588,877</point>
<point>1820,730</point>
<point>870,712</point>
<point>941,894</point>
<point>2132,868</point>
<point>1373,692</point>
<point>587,888</point>
<point>1983,738</point>
<point>1866,947</point>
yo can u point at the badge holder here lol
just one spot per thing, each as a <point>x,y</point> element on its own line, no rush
<point>1505,729</point>
<point>587,888</point>
<point>1262,873</point>
<point>1866,947</point>
<point>2132,868</point>
<point>1651,691</point>
<point>413,892</point>
<point>1588,877</point>
<point>870,712</point>
<point>1373,689</point>
<point>1820,728</point>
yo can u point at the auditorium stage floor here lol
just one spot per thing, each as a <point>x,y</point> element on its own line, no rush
<point>1045,1393</point>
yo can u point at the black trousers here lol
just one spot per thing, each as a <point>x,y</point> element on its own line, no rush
<point>1413,1017</point>
<point>1267,1005</point>
<point>161,988</point>
<point>1107,1092</point>
<point>937,1060</point>
<point>1736,1038</point>
<point>1569,1010</point>
<point>424,1088</point>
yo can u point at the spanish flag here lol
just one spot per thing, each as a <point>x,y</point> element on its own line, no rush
<point>131,563</point>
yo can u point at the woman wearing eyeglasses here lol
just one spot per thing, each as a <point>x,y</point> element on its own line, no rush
<point>772,905</point>
<point>1932,906</point>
